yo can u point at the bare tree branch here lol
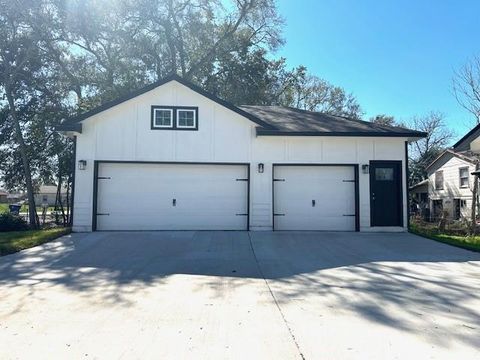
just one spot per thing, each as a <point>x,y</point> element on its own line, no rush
<point>466,87</point>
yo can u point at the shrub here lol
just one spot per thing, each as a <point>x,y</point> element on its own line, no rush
<point>9,222</point>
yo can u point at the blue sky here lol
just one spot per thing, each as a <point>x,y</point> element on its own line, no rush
<point>397,57</point>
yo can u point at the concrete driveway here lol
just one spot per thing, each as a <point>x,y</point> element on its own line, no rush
<point>239,295</point>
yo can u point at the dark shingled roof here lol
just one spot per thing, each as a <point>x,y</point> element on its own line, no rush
<point>271,120</point>
<point>464,142</point>
<point>292,121</point>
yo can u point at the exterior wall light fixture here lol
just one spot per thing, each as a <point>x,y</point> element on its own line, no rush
<point>82,164</point>
<point>261,168</point>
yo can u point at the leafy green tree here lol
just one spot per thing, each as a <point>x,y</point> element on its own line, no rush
<point>34,94</point>
<point>312,93</point>
<point>20,65</point>
<point>60,58</point>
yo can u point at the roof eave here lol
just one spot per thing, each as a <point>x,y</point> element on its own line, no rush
<point>412,136</point>
<point>453,153</point>
<point>421,183</point>
<point>466,136</point>
<point>69,127</point>
<point>447,151</point>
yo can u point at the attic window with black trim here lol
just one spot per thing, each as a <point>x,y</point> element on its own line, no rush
<point>162,118</point>
<point>186,119</point>
<point>174,118</point>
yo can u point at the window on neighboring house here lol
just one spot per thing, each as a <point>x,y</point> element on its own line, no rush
<point>186,119</point>
<point>464,177</point>
<point>439,180</point>
<point>423,197</point>
<point>162,118</point>
<point>459,205</point>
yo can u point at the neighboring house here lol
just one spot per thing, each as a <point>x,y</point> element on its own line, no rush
<point>3,196</point>
<point>47,194</point>
<point>174,157</point>
<point>449,178</point>
<point>16,197</point>
<point>419,192</point>
<point>419,199</point>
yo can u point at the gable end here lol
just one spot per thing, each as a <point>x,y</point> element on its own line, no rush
<point>74,124</point>
<point>443,159</point>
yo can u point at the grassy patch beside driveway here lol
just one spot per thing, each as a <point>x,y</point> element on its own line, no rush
<point>466,242</point>
<point>4,208</point>
<point>13,241</point>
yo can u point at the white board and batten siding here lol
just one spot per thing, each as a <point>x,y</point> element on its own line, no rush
<point>123,133</point>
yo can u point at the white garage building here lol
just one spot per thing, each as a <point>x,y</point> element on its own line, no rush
<point>173,157</point>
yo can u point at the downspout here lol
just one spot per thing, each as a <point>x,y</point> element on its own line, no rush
<point>70,220</point>
<point>407,175</point>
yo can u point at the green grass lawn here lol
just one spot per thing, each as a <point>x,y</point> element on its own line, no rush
<point>14,241</point>
<point>4,208</point>
<point>466,242</point>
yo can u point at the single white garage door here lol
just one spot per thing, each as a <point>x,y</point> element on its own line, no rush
<point>140,196</point>
<point>314,198</point>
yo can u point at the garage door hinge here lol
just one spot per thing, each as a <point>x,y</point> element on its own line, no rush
<point>278,179</point>
<point>241,214</point>
<point>350,215</point>
<point>349,181</point>
<point>241,179</point>
<point>103,214</point>
<point>103,177</point>
<point>278,214</point>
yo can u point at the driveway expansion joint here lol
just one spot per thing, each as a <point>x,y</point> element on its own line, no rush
<point>274,298</point>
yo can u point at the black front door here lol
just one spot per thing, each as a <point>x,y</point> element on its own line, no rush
<point>386,193</point>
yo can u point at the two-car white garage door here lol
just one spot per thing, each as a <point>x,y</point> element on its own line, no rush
<point>145,196</point>
<point>175,196</point>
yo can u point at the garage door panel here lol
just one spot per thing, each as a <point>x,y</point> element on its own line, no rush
<point>311,224</point>
<point>119,221</point>
<point>171,197</point>
<point>332,188</point>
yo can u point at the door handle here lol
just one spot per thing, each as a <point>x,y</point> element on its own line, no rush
<point>313,203</point>
<point>174,202</point>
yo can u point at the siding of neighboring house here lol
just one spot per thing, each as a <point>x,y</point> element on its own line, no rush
<point>45,198</point>
<point>451,187</point>
<point>123,133</point>
<point>47,194</point>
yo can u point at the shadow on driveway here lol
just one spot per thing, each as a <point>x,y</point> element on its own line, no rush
<point>396,280</point>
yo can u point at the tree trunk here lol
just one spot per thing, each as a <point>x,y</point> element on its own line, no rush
<point>67,197</point>
<point>59,200</point>
<point>473,218</point>
<point>32,211</point>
